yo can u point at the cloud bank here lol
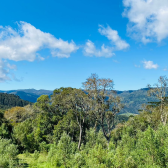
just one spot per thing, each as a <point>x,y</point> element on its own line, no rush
<point>116,44</point>
<point>148,19</point>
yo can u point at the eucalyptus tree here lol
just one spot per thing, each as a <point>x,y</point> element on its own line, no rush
<point>159,91</point>
<point>106,104</point>
<point>76,101</point>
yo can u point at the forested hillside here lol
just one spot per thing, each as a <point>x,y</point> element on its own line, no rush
<point>11,100</point>
<point>133,100</point>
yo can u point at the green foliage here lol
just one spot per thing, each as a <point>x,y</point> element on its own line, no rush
<point>69,125</point>
<point>8,154</point>
<point>61,153</point>
<point>23,135</point>
<point>36,155</point>
<point>133,100</point>
<point>93,138</point>
<point>43,102</point>
<point>5,127</point>
<point>140,142</point>
<point>10,100</point>
<point>18,114</point>
<point>32,132</point>
<point>146,150</point>
<point>48,134</point>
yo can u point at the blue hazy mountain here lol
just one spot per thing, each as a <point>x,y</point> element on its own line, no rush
<point>30,95</point>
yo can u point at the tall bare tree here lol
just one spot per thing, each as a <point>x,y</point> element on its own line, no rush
<point>105,104</point>
<point>159,91</point>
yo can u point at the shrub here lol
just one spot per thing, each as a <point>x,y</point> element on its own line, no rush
<point>8,153</point>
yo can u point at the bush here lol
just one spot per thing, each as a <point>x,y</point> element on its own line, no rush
<point>8,153</point>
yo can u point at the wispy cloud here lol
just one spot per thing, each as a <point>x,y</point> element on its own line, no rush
<point>15,78</point>
<point>165,69</point>
<point>90,50</point>
<point>11,66</point>
<point>40,58</point>
<point>4,72</point>
<point>149,65</point>
<point>116,44</point>
<point>148,19</point>
<point>113,36</point>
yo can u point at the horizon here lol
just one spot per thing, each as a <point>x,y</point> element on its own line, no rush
<point>77,88</point>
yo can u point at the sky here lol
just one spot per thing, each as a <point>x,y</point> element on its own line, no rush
<point>52,44</point>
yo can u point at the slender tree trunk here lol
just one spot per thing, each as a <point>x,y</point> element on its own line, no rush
<point>108,126</point>
<point>165,119</point>
<point>104,132</point>
<point>80,137</point>
<point>95,126</point>
<point>161,111</point>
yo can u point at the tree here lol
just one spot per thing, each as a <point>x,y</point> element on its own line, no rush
<point>78,102</point>
<point>18,114</point>
<point>43,102</point>
<point>105,102</point>
<point>159,91</point>
<point>69,125</point>
<point>8,154</point>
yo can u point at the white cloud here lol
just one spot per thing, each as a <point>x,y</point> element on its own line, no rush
<point>3,72</point>
<point>27,41</point>
<point>116,41</point>
<point>11,66</point>
<point>150,65</point>
<point>90,50</point>
<point>113,36</point>
<point>24,44</point>
<point>148,19</point>
<point>39,57</point>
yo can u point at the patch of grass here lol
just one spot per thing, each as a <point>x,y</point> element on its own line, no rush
<point>29,161</point>
<point>128,114</point>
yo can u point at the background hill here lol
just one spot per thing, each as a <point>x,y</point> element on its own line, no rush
<point>133,99</point>
<point>30,95</point>
<point>11,100</point>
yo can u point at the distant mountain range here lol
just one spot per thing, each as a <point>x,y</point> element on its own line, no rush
<point>30,95</point>
<point>133,99</point>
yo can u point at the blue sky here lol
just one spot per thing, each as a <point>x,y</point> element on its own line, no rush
<point>52,44</point>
